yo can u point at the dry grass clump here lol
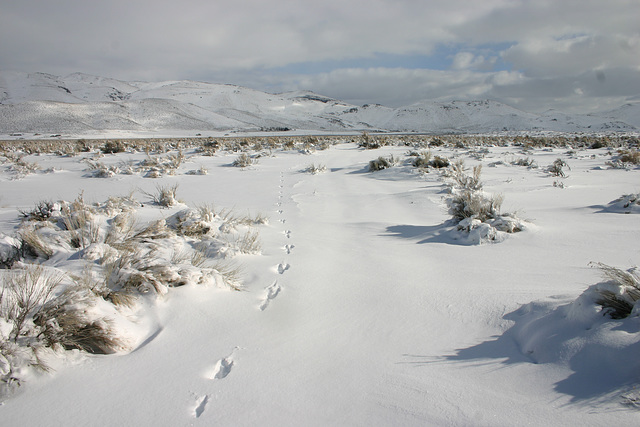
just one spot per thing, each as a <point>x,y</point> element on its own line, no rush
<point>475,212</point>
<point>34,316</point>
<point>32,245</point>
<point>20,167</point>
<point>461,180</point>
<point>244,160</point>
<point>202,170</point>
<point>112,147</point>
<point>524,161</point>
<point>422,159</point>
<point>154,166</point>
<point>315,169</point>
<point>165,196</point>
<point>100,170</point>
<point>629,156</point>
<point>439,162</point>
<point>248,243</point>
<point>369,142</point>
<point>472,204</point>
<point>621,293</point>
<point>24,294</point>
<point>41,212</point>
<point>65,322</point>
<point>556,168</point>
<point>78,220</point>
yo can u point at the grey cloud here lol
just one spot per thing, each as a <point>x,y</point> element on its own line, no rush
<point>573,52</point>
<point>573,56</point>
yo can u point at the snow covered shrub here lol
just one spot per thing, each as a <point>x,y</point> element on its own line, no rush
<point>77,218</point>
<point>192,222</point>
<point>525,161</point>
<point>315,169</point>
<point>10,251</point>
<point>41,212</point>
<point>478,216</point>
<point>422,159</point>
<point>248,243</point>
<point>436,142</point>
<point>628,203</point>
<point>67,322</point>
<point>368,142</point>
<point>100,170</point>
<point>619,296</point>
<point>463,181</point>
<point>382,163</point>
<point>439,162</point>
<point>112,147</point>
<point>473,204</point>
<point>31,243</point>
<point>244,160</point>
<point>20,167</point>
<point>24,294</point>
<point>156,166</point>
<point>629,156</point>
<point>165,195</point>
<point>34,316</point>
<point>202,170</point>
<point>555,168</point>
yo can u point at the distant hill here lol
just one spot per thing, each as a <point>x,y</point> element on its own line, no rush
<point>43,103</point>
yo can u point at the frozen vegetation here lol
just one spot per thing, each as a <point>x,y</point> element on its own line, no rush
<point>320,280</point>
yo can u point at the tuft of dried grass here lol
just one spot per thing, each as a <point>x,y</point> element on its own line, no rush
<point>382,163</point>
<point>32,244</point>
<point>65,322</point>
<point>556,168</point>
<point>25,293</point>
<point>165,195</point>
<point>244,160</point>
<point>315,169</point>
<point>618,302</point>
<point>629,156</point>
<point>467,204</point>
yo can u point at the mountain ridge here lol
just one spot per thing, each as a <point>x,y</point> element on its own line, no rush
<point>78,102</point>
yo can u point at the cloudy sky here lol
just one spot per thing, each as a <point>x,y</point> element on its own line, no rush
<point>572,55</point>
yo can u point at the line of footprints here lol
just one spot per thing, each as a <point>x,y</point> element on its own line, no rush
<point>273,290</point>
<point>223,367</point>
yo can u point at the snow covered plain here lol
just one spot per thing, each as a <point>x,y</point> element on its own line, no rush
<point>364,305</point>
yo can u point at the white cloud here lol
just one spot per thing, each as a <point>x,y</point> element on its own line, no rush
<point>467,60</point>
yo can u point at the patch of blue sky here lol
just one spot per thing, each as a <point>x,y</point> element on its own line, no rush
<point>440,59</point>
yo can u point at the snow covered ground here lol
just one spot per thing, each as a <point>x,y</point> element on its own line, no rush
<point>365,306</point>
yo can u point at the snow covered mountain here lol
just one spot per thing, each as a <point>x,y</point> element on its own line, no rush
<point>43,103</point>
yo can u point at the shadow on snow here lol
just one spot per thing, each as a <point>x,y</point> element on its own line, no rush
<point>599,372</point>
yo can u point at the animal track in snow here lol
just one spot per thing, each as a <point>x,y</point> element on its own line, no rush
<point>282,220</point>
<point>283,267</point>
<point>288,234</point>
<point>280,211</point>
<point>201,406</point>
<point>272,291</point>
<point>222,368</point>
<point>288,248</point>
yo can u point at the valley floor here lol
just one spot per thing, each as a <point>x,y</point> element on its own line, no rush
<point>362,308</point>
